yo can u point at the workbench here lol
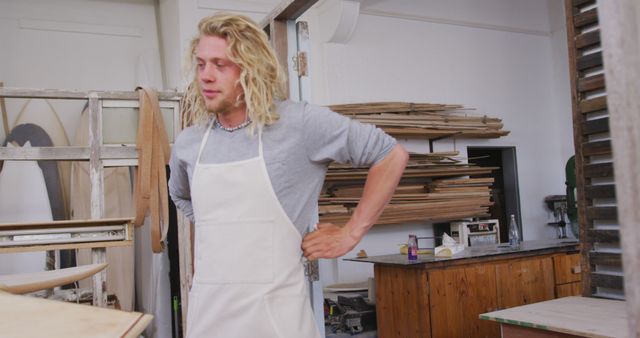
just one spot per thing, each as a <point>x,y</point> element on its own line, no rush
<point>444,297</point>
<point>564,318</point>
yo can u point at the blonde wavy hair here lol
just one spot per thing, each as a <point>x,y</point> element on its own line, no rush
<point>262,78</point>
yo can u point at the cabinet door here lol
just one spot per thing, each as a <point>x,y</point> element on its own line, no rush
<point>525,282</point>
<point>402,302</point>
<point>567,268</point>
<point>458,296</point>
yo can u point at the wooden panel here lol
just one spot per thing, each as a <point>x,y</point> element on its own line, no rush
<point>608,213</point>
<point>598,103</point>
<point>605,258</point>
<point>589,61</point>
<point>604,236</point>
<point>590,83</point>
<point>458,296</point>
<point>402,302</point>
<point>566,268</point>
<point>588,39</point>
<point>595,126</point>
<point>525,282</point>
<point>598,170</point>
<point>568,290</point>
<point>596,148</point>
<point>516,331</point>
<point>606,281</point>
<point>586,18</point>
<point>600,191</point>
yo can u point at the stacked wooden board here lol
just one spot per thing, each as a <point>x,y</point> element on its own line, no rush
<point>402,119</point>
<point>434,187</point>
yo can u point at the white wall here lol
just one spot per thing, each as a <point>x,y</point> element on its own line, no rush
<point>77,44</point>
<point>506,58</point>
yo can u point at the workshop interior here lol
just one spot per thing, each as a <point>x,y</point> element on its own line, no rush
<point>508,220</point>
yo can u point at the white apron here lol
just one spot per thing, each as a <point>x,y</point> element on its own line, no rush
<point>249,278</point>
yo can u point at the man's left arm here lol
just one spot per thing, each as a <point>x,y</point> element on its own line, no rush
<point>332,241</point>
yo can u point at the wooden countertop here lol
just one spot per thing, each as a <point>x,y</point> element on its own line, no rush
<point>581,316</point>
<point>484,253</point>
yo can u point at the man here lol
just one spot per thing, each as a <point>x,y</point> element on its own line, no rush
<point>248,173</point>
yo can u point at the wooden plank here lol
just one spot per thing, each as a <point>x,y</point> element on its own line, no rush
<point>598,170</point>
<point>566,268</point>
<point>568,290</point>
<point>606,259</point>
<point>402,302</point>
<point>607,281</point>
<point>28,93</point>
<point>581,316</point>
<point>603,213</point>
<point>586,18</point>
<point>278,35</point>
<point>67,153</point>
<point>578,140</point>
<point>620,32</point>
<point>604,236</point>
<point>589,61</point>
<point>592,105</point>
<point>286,10</point>
<point>595,82</point>
<point>596,126</point>
<point>588,39</point>
<point>458,296</point>
<point>600,191</point>
<point>36,317</point>
<point>525,282</point>
<point>596,148</point>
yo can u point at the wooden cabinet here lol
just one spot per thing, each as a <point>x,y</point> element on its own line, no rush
<point>445,300</point>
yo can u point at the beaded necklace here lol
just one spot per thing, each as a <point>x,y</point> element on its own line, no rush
<point>232,129</point>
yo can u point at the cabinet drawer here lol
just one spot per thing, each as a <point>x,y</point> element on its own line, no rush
<point>567,268</point>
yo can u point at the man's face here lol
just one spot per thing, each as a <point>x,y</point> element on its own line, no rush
<point>217,75</point>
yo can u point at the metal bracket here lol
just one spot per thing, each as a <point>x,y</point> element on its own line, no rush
<point>300,63</point>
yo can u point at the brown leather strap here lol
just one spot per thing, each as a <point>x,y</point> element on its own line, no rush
<point>153,156</point>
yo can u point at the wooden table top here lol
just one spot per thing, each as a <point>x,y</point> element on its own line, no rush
<point>26,317</point>
<point>581,316</point>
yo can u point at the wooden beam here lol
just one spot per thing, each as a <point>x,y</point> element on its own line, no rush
<point>28,93</point>
<point>286,10</point>
<point>280,43</point>
<point>578,140</point>
<point>620,30</point>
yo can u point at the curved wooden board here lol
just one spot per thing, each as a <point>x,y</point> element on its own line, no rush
<point>35,281</point>
<point>23,198</point>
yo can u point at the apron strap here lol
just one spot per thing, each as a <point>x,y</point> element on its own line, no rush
<point>204,140</point>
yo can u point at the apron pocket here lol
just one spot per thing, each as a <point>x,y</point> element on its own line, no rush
<point>292,316</point>
<point>234,252</point>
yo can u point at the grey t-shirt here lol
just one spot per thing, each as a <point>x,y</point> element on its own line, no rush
<point>297,150</point>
